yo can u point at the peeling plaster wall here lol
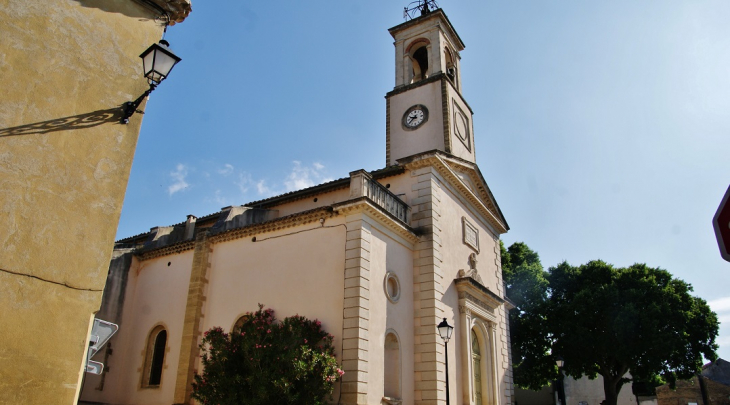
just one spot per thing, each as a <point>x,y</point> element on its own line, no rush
<point>65,68</point>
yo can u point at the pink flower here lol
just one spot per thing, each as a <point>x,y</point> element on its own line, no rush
<point>268,331</point>
<point>305,341</point>
<point>340,372</point>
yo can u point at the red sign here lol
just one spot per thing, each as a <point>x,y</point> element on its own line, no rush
<point>721,222</point>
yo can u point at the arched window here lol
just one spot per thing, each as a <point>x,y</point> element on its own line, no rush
<point>420,63</point>
<point>476,360</point>
<point>450,66</point>
<point>391,375</point>
<point>154,357</point>
<point>239,323</point>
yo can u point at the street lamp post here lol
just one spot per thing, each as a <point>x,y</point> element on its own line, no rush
<point>561,386</point>
<point>445,331</point>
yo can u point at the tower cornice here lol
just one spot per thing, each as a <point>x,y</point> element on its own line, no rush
<point>438,76</point>
<point>436,14</point>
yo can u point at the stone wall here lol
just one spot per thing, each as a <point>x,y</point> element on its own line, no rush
<point>65,68</point>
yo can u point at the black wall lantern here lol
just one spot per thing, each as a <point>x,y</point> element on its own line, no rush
<point>157,62</point>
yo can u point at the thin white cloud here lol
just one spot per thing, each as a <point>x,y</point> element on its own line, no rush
<point>724,318</point>
<point>723,340</point>
<point>224,184</point>
<point>219,199</point>
<point>243,182</point>
<point>226,170</point>
<point>178,177</point>
<point>262,188</point>
<point>304,176</point>
<point>720,304</point>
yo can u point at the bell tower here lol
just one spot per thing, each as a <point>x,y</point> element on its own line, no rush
<point>425,110</point>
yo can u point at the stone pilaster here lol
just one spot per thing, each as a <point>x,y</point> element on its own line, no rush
<point>428,290</point>
<point>355,340</point>
<point>189,350</point>
<point>504,350</point>
<point>509,376</point>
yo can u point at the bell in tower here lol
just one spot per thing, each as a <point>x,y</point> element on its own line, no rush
<point>425,110</point>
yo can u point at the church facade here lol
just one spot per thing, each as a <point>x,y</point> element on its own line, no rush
<point>380,258</point>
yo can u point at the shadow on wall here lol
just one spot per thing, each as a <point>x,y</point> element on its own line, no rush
<point>74,122</point>
<point>128,8</point>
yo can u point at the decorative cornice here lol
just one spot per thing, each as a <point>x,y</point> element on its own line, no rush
<point>474,298</point>
<point>278,224</point>
<point>367,206</point>
<point>477,291</point>
<point>434,14</point>
<point>175,10</point>
<point>483,202</point>
<point>402,89</point>
<point>478,183</point>
<point>165,251</point>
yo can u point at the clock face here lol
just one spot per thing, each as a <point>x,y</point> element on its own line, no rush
<point>415,117</point>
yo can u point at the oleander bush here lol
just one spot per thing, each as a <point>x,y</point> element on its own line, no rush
<point>264,361</point>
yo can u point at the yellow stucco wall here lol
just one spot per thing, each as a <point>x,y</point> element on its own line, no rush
<point>65,68</point>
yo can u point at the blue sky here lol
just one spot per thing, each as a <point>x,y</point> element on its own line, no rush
<point>601,127</point>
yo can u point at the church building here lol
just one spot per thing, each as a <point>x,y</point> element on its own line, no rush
<point>380,258</point>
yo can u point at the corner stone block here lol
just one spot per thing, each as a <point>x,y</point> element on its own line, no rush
<point>429,385</point>
<point>359,272</point>
<point>353,344</point>
<point>434,394</point>
<point>430,339</point>
<point>354,323</point>
<point>355,387</point>
<point>355,376</point>
<point>354,399</point>
<point>356,302</point>
<point>351,292</point>
<point>357,243</point>
<point>357,312</point>
<point>430,368</point>
<point>355,333</point>
<point>359,354</point>
<point>355,282</point>
<point>357,253</point>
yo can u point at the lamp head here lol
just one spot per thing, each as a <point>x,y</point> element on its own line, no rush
<point>157,62</point>
<point>445,330</point>
<point>559,361</point>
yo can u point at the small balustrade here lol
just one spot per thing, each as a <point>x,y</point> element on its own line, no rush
<point>362,184</point>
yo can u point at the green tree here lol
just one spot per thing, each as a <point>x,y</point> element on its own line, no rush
<point>263,361</point>
<point>609,321</point>
<point>526,287</point>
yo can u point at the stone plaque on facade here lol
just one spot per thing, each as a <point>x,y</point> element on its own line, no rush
<point>471,234</point>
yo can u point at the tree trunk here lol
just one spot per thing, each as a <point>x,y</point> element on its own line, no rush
<point>611,388</point>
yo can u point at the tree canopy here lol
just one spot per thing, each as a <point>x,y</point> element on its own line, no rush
<point>606,321</point>
<point>526,287</point>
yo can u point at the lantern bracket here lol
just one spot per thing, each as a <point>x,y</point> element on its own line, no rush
<point>130,107</point>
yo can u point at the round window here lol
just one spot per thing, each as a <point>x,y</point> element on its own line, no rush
<point>392,287</point>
